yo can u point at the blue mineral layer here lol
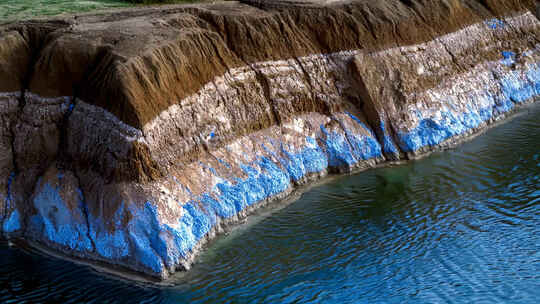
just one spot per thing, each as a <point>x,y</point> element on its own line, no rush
<point>157,243</point>
<point>57,222</point>
<point>12,223</point>
<point>515,88</point>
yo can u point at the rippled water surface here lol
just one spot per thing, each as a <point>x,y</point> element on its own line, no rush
<point>461,226</point>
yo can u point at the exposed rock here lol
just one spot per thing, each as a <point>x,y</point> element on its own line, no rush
<point>133,137</point>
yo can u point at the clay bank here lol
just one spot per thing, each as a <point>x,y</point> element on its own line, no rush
<point>131,138</point>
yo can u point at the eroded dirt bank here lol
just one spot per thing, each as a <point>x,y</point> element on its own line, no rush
<point>131,137</point>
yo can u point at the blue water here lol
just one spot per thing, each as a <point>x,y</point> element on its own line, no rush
<point>461,226</point>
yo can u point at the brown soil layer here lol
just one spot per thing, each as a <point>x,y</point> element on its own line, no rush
<point>135,63</point>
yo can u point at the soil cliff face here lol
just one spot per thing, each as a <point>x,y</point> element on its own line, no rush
<point>132,138</point>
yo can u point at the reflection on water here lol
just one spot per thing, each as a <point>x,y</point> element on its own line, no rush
<point>461,226</point>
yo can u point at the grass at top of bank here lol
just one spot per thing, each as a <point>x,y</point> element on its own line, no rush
<point>11,10</point>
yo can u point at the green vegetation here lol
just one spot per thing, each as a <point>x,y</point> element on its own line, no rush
<point>149,1</point>
<point>163,1</point>
<point>26,9</point>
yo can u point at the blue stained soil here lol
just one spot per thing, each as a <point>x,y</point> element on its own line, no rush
<point>158,246</point>
<point>516,89</point>
<point>59,224</point>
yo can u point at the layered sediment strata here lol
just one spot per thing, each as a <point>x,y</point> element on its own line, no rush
<point>132,138</point>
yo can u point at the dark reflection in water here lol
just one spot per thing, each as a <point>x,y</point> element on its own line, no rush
<point>461,226</point>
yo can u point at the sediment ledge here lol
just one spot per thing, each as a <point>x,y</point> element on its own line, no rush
<point>131,138</point>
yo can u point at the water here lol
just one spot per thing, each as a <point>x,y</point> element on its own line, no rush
<point>461,226</point>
